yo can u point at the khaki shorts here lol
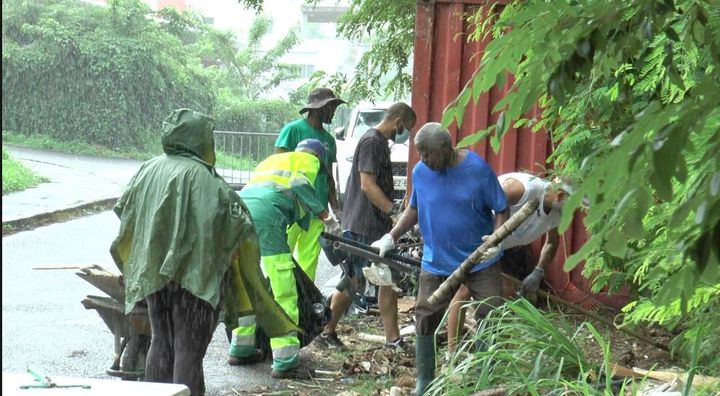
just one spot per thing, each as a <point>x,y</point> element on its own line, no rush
<point>483,284</point>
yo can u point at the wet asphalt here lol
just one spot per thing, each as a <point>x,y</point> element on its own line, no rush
<point>44,325</point>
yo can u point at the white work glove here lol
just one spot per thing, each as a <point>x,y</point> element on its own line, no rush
<point>492,252</point>
<point>531,283</point>
<point>332,225</point>
<point>384,244</point>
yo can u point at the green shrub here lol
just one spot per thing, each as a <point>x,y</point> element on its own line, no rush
<point>100,75</point>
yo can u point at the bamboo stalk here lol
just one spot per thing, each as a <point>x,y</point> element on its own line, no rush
<point>453,282</point>
<point>591,314</point>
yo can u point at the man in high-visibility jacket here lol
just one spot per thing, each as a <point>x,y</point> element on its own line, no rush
<point>280,193</point>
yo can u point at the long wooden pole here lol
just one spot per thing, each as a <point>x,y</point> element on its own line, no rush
<point>453,282</point>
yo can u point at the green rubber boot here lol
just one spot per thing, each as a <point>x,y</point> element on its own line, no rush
<point>424,362</point>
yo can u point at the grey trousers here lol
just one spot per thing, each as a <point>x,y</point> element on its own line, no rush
<point>182,328</point>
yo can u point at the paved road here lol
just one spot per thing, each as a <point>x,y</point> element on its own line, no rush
<point>73,180</point>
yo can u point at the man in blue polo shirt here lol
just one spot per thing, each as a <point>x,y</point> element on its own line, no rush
<point>455,193</point>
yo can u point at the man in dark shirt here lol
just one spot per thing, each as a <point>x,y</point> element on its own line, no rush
<point>368,215</point>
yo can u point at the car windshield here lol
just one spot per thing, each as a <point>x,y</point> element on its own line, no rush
<point>367,119</point>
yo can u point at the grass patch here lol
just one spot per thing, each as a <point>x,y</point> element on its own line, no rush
<point>17,177</point>
<point>232,161</point>
<point>41,141</point>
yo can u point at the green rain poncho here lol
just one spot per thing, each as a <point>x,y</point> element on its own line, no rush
<point>181,222</point>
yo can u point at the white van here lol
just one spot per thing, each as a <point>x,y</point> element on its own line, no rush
<point>363,117</point>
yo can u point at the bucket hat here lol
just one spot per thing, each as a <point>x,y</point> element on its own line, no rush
<point>320,97</point>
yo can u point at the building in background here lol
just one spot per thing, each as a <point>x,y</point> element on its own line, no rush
<point>320,49</point>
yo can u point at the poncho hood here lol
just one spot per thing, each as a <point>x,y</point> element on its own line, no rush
<point>186,132</point>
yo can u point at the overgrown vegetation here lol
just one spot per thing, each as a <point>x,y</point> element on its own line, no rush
<point>630,92</point>
<point>525,351</point>
<point>108,75</point>
<point>16,176</point>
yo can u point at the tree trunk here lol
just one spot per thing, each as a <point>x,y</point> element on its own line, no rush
<point>457,277</point>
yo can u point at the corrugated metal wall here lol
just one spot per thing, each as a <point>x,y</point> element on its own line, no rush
<point>443,62</point>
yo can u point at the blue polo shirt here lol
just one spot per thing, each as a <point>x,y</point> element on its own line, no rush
<point>455,211</point>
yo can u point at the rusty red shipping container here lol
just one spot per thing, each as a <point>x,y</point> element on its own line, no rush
<point>444,61</point>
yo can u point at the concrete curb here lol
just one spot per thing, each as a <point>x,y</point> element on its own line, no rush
<point>58,216</point>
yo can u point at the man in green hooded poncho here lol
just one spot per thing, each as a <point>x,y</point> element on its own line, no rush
<point>188,247</point>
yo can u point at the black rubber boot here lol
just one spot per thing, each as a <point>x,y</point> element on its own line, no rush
<point>424,362</point>
<point>257,357</point>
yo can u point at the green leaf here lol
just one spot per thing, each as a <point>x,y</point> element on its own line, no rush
<point>448,116</point>
<point>715,184</point>
<point>502,124</point>
<point>500,83</point>
<point>672,34</point>
<point>622,206</point>
<point>662,186</point>
<point>495,142</point>
<point>680,214</point>
<point>614,91</point>
<point>675,78</point>
<point>477,88</point>
<point>643,199</point>
<point>464,98</point>
<point>475,137</point>
<point>578,256</point>
<point>459,117</point>
<point>681,172</point>
<point>633,225</point>
<point>665,159</point>
<point>700,212</point>
<point>615,243</point>
<point>520,123</point>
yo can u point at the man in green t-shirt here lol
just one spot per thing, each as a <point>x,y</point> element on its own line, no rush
<point>320,110</point>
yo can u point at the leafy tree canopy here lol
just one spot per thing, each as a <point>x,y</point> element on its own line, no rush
<point>108,75</point>
<point>630,92</point>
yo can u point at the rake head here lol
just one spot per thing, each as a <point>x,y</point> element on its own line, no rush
<point>576,296</point>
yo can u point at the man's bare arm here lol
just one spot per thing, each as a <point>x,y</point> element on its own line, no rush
<point>500,218</point>
<point>332,193</point>
<point>368,185</point>
<point>552,241</point>
<point>407,221</point>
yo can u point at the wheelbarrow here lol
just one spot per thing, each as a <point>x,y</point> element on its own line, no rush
<point>130,331</point>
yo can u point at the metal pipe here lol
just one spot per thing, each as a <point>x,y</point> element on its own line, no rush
<point>402,267</point>
<point>392,256</point>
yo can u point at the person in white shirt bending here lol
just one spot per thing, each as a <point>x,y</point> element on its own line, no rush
<point>520,188</point>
